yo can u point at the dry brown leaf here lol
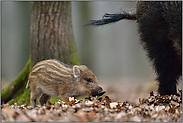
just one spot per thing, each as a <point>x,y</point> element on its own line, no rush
<point>82,116</point>
<point>174,103</point>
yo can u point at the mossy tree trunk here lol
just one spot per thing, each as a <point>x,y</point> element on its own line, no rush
<point>51,38</point>
<point>17,86</point>
<point>52,32</point>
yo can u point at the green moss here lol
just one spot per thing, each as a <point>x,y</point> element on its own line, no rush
<point>22,99</point>
<point>74,55</point>
<point>17,86</point>
<point>54,99</point>
<point>75,60</point>
<point>5,92</point>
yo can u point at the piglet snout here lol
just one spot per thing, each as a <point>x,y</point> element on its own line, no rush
<point>97,92</point>
<point>101,93</point>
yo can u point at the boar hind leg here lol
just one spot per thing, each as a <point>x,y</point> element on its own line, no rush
<point>43,99</point>
<point>169,74</point>
<point>154,33</point>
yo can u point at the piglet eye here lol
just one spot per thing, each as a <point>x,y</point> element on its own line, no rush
<point>88,79</point>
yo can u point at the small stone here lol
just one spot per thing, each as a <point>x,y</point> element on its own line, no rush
<point>88,103</point>
<point>113,104</point>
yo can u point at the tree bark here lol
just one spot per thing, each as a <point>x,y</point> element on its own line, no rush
<point>52,33</point>
<point>51,38</point>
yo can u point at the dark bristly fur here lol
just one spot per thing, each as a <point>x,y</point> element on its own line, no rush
<point>160,29</point>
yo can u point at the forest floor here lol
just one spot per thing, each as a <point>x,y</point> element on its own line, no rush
<point>124,101</point>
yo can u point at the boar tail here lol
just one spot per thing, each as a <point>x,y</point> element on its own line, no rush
<point>112,18</point>
<point>27,86</point>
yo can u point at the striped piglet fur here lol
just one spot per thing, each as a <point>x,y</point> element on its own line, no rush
<point>54,78</point>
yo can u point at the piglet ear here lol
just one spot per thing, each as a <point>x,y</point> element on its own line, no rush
<point>76,71</point>
<point>83,67</point>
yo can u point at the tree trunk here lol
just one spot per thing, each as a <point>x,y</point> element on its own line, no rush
<point>51,38</point>
<point>52,33</point>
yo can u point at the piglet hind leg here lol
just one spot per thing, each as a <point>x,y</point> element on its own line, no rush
<point>43,99</point>
<point>64,97</point>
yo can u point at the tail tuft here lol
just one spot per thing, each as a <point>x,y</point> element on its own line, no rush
<point>27,86</point>
<point>111,18</point>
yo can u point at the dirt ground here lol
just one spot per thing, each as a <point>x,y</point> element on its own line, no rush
<point>126,100</point>
<point>155,108</point>
<point>130,89</point>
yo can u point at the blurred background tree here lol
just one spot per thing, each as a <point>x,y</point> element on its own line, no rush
<point>15,34</point>
<point>112,52</point>
<point>51,37</point>
<point>15,38</point>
